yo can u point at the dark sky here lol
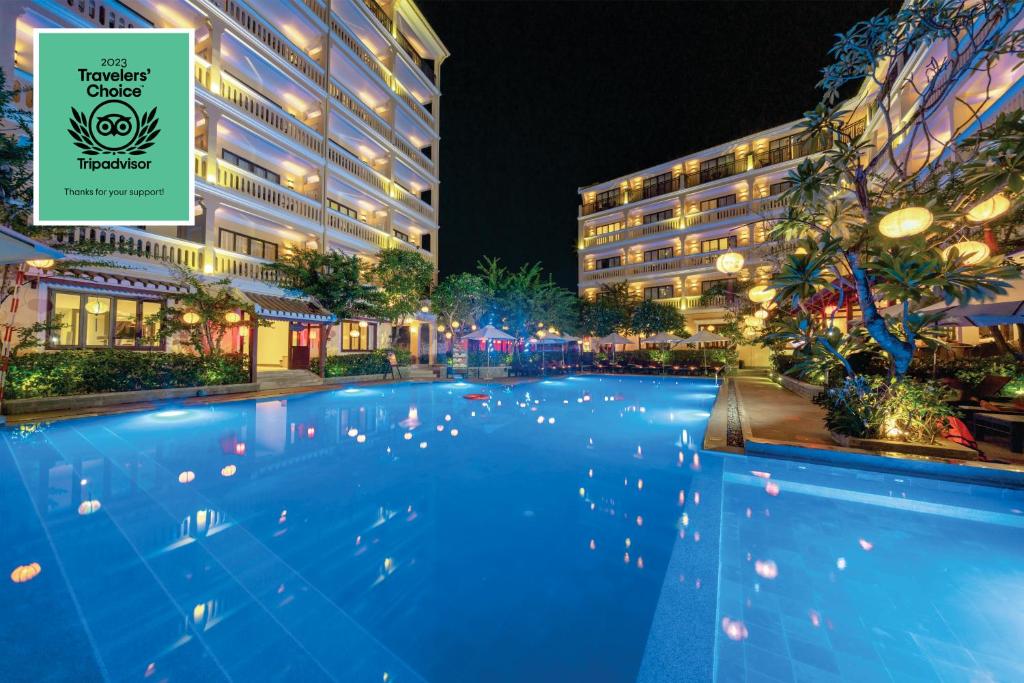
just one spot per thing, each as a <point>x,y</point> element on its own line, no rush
<point>540,98</point>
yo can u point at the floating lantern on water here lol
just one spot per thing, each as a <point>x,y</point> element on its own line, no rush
<point>25,572</point>
<point>186,477</point>
<point>87,507</point>
<point>228,471</point>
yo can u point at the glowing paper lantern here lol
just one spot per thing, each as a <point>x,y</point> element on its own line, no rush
<point>971,251</point>
<point>455,324</point>
<point>761,314</point>
<point>362,323</point>
<point>905,222</point>
<point>761,293</point>
<point>986,210</point>
<point>40,263</point>
<point>354,333</point>
<point>186,477</point>
<point>190,317</point>
<point>25,572</point>
<point>97,306</point>
<point>729,262</point>
<point>232,317</point>
<point>752,321</point>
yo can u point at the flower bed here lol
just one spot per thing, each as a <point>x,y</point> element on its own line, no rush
<point>72,373</point>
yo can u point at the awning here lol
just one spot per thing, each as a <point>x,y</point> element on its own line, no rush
<point>17,248</point>
<point>304,310</point>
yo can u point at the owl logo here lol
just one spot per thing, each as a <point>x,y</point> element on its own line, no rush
<point>113,127</point>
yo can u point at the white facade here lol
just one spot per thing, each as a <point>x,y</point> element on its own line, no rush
<point>316,125</point>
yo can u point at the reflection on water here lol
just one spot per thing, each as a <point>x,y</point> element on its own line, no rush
<point>566,530</point>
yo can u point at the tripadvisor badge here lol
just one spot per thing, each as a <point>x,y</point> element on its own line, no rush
<point>115,124</point>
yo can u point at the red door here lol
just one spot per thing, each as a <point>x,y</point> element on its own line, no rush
<point>298,348</point>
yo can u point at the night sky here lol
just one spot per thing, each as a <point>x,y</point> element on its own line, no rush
<point>539,99</point>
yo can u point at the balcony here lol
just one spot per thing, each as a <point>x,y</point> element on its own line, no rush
<point>231,264</point>
<point>265,192</point>
<point>753,253</point>
<point>424,65</point>
<point>794,149</point>
<point>350,226</point>
<point>137,245</point>
<point>707,175</point>
<point>758,209</point>
<point>378,12</point>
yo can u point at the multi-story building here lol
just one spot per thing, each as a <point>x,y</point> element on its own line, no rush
<point>663,229</point>
<point>316,124</point>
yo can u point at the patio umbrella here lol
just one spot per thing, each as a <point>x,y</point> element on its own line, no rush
<point>1001,309</point>
<point>16,248</point>
<point>663,338</point>
<point>613,340</point>
<point>704,337</point>
<point>486,334</point>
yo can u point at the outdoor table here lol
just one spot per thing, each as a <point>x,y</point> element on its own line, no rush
<point>1010,427</point>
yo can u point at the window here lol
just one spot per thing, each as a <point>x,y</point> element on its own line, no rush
<point>89,321</point>
<point>609,262</point>
<point>249,166</point>
<point>717,202</point>
<point>658,254</point>
<point>722,284</point>
<point>607,199</point>
<point>404,236</point>
<point>657,216</point>
<point>358,335</point>
<point>779,187</point>
<point>341,208</point>
<point>659,292</point>
<point>604,229</point>
<point>717,244</point>
<point>659,184</point>
<point>243,244</point>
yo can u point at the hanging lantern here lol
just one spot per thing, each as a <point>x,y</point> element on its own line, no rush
<point>97,305</point>
<point>749,333</point>
<point>990,208</point>
<point>441,327</point>
<point>473,327</point>
<point>972,252</point>
<point>232,317</point>
<point>354,333</point>
<point>800,251</point>
<point>709,328</point>
<point>362,323</point>
<point>905,222</point>
<point>424,309</point>
<point>25,572</point>
<point>752,321</point>
<point>190,317</point>
<point>729,262</point>
<point>761,314</point>
<point>447,335</point>
<point>761,293</point>
<point>40,263</point>
<point>456,324</point>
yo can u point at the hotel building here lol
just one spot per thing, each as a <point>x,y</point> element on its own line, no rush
<point>316,125</point>
<point>663,228</point>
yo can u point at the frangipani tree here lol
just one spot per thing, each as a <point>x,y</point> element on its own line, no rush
<point>458,301</point>
<point>896,225</point>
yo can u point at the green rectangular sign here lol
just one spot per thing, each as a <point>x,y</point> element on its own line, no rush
<point>114,122</point>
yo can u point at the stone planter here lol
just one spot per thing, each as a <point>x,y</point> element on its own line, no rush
<point>808,391</point>
<point>940,449</point>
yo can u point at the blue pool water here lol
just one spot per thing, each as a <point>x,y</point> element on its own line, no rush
<point>570,530</point>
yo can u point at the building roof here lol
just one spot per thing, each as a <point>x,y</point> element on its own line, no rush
<point>17,248</point>
<point>289,308</point>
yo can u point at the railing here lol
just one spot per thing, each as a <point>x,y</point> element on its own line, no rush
<point>261,32</point>
<point>378,11</point>
<point>350,226</point>
<point>270,113</point>
<point>101,14</point>
<point>240,181</point>
<point>370,118</point>
<point>342,157</point>
<point>420,62</point>
<point>413,202</point>
<point>137,244</point>
<point>794,149</point>
<point>658,189</point>
<point>240,265</point>
<point>603,205</point>
<point>688,261</point>
<point>699,301</point>
<point>635,232</point>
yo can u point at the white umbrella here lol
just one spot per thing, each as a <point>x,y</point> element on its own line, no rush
<point>485,334</point>
<point>613,340</point>
<point>704,337</point>
<point>17,248</point>
<point>663,338</point>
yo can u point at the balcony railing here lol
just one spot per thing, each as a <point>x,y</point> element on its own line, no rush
<point>275,195</point>
<point>794,149</point>
<point>753,253</point>
<point>755,210</point>
<point>423,64</point>
<point>343,158</point>
<point>259,30</point>
<point>707,175</point>
<point>241,265</point>
<point>378,11</point>
<point>602,205</point>
<point>270,113</point>
<point>350,226</point>
<point>137,245</point>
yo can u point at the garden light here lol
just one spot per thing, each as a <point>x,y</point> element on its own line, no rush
<point>729,262</point>
<point>761,293</point>
<point>972,252</point>
<point>905,222</point>
<point>990,208</point>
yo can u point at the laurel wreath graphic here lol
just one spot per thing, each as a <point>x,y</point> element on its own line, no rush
<point>84,140</point>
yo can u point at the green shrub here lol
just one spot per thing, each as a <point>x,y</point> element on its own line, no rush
<point>971,371</point>
<point>728,357</point>
<point>350,364</point>
<point>70,373</point>
<point>879,408</point>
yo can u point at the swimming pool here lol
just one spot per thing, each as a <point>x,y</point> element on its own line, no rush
<point>567,530</point>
